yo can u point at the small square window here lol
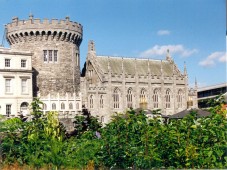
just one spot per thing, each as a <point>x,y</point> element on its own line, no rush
<point>23,63</point>
<point>7,62</point>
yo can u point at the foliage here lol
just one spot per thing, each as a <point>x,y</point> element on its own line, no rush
<point>129,141</point>
<point>85,122</point>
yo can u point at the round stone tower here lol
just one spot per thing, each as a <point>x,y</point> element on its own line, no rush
<point>56,55</point>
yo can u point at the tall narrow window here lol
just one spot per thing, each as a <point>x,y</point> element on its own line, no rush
<point>50,55</point>
<point>129,98</point>
<point>7,62</point>
<point>77,59</point>
<point>90,73</point>
<point>53,106</point>
<point>116,99</point>
<point>155,98</point>
<point>167,98</point>
<point>101,101</point>
<point>91,102</point>
<point>62,106</point>
<point>7,85</point>
<point>55,55</point>
<point>23,63</point>
<point>179,99</point>
<point>77,106</point>
<point>23,85</point>
<point>8,109</point>
<point>143,98</point>
<point>44,106</point>
<point>45,55</point>
<point>70,106</point>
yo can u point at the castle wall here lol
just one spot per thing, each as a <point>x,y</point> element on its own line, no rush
<point>56,56</point>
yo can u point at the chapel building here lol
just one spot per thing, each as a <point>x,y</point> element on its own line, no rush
<point>113,84</point>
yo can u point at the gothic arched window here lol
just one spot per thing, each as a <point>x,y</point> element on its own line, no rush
<point>143,98</point>
<point>44,106</point>
<point>155,98</point>
<point>53,106</point>
<point>129,98</point>
<point>116,98</point>
<point>62,106</point>
<point>91,102</point>
<point>180,99</point>
<point>101,101</point>
<point>167,98</point>
<point>70,106</point>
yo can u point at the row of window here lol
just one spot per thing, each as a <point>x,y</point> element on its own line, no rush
<point>143,99</point>
<point>51,56</point>
<point>8,63</point>
<point>8,86</point>
<point>53,106</point>
<point>23,107</point>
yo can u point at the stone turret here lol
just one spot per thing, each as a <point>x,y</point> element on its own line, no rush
<point>56,56</point>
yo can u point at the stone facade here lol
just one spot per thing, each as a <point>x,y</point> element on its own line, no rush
<point>55,45</point>
<point>55,60</point>
<point>106,85</point>
<point>15,82</point>
<point>113,84</point>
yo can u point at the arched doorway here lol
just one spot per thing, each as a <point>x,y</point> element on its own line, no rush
<point>24,108</point>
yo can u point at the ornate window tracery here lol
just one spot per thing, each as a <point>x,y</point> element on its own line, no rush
<point>167,98</point>
<point>155,98</point>
<point>180,99</point>
<point>101,101</point>
<point>91,102</point>
<point>129,98</point>
<point>116,98</point>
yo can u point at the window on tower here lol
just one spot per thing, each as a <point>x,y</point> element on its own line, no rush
<point>50,56</point>
<point>45,55</point>
<point>55,55</point>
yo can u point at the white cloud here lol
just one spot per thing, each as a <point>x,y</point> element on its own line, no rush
<point>174,49</point>
<point>213,58</point>
<point>163,32</point>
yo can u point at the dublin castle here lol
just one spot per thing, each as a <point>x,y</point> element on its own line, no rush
<point>44,61</point>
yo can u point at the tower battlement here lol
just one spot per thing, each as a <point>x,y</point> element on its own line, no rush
<point>39,30</point>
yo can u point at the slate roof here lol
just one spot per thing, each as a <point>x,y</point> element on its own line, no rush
<point>132,65</point>
<point>180,115</point>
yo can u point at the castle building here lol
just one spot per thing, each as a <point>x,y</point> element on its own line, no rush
<point>55,60</point>
<point>113,84</point>
<point>106,85</point>
<point>15,82</point>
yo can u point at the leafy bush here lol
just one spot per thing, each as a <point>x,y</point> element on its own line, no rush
<point>130,140</point>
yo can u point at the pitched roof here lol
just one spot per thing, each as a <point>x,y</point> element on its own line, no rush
<point>133,65</point>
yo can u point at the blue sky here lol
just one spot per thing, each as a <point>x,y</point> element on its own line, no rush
<point>193,30</point>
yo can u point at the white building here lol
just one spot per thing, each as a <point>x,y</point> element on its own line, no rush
<point>15,82</point>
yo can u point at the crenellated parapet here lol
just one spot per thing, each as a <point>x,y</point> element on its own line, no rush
<point>44,30</point>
